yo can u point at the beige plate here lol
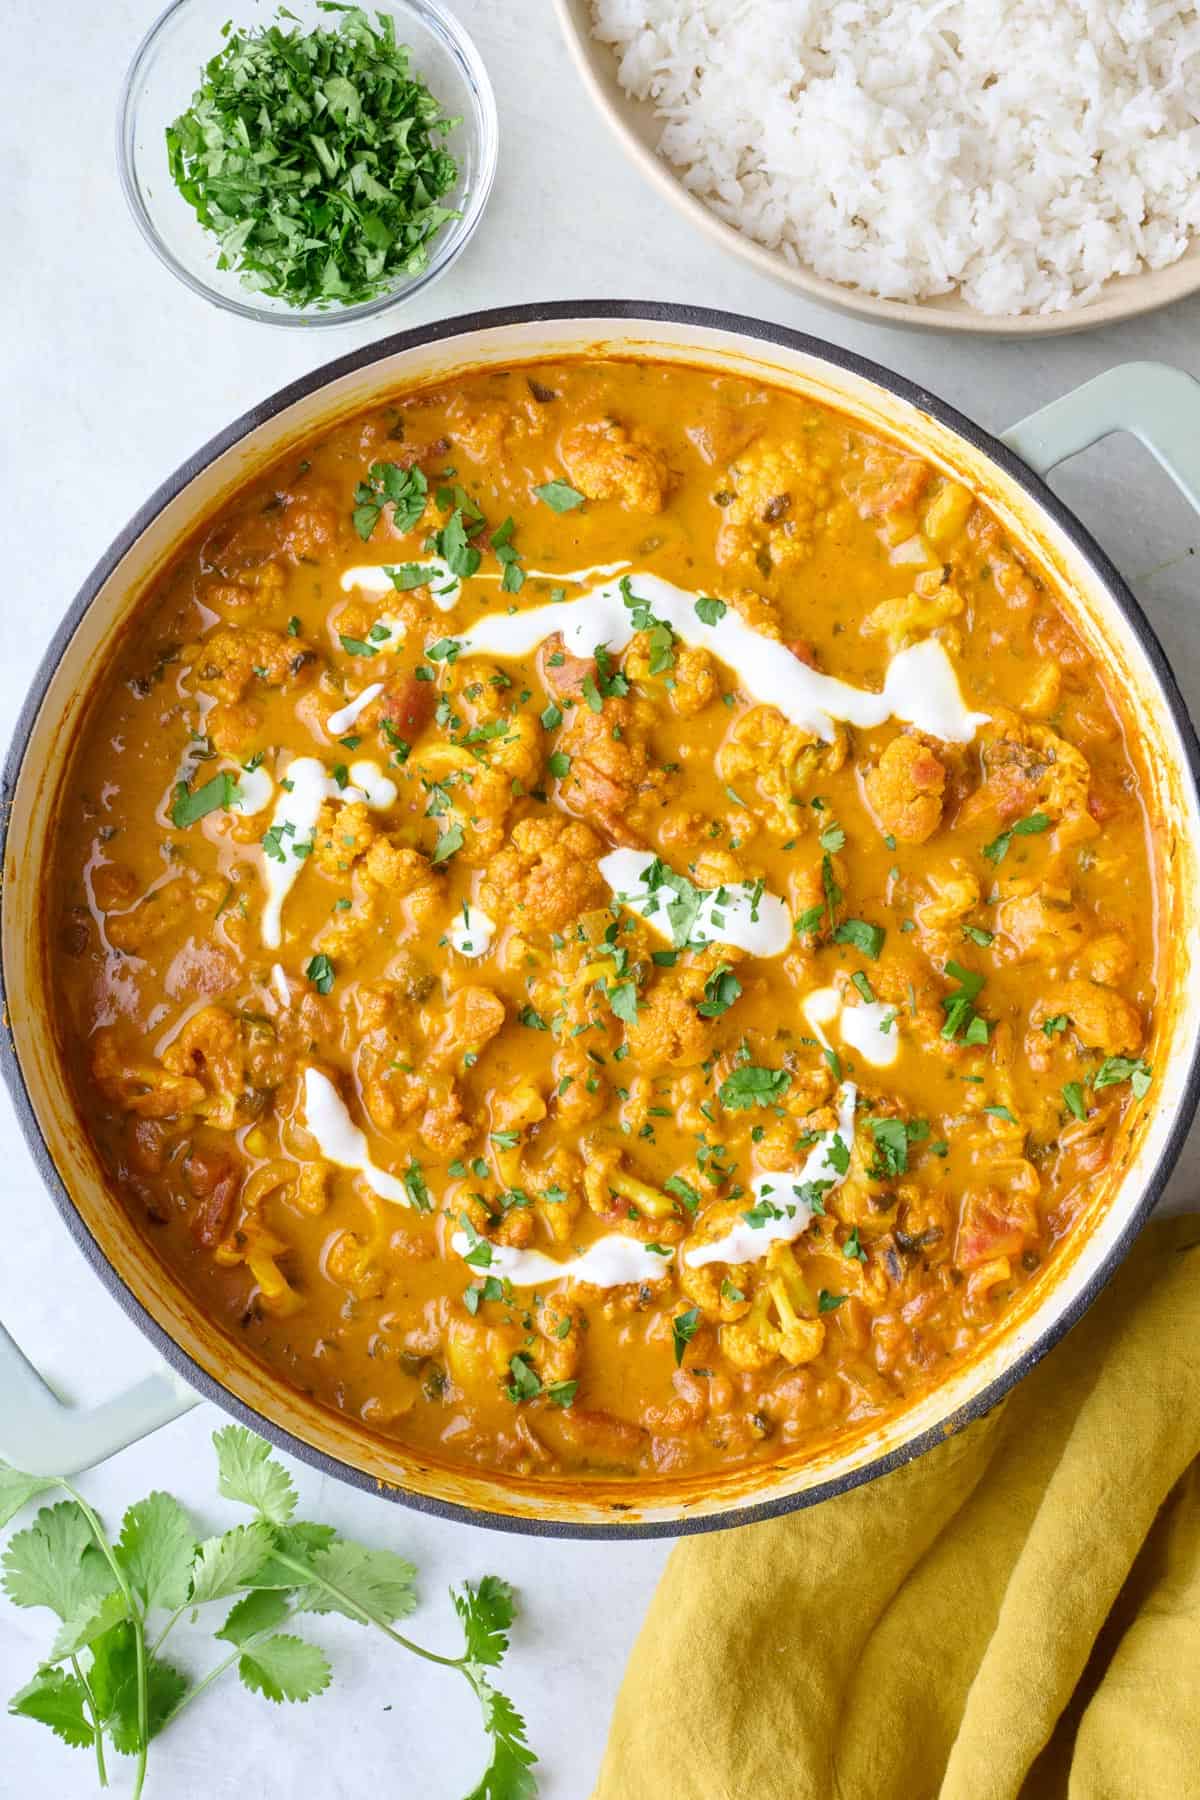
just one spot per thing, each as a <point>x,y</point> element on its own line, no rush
<point>637,129</point>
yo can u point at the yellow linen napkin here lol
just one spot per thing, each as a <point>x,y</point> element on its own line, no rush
<point>1015,1613</point>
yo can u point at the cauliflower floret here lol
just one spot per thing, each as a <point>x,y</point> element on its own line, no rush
<point>471,1020</point>
<point>231,1057</point>
<point>260,587</point>
<point>311,524</point>
<point>546,875</point>
<point>483,434</point>
<point>231,660</point>
<point>1100,1019</point>
<point>1044,691</point>
<point>478,1354</point>
<point>780,493</point>
<point>1029,768</point>
<point>1108,959</point>
<point>343,833</point>
<point>402,873</point>
<point>668,1032</point>
<point>162,912</point>
<point>478,789</point>
<point>690,679</point>
<point>1041,924</point>
<point>560,1328</point>
<point>445,1130</point>
<point>955,894</point>
<point>931,604</point>
<point>606,462</point>
<point>557,1189</point>
<point>905,790</point>
<point>755,1341</point>
<point>612,779</point>
<point>234,730</point>
<point>141,1087</point>
<point>771,764</point>
<point>718,1289</point>
<point>616,1194</point>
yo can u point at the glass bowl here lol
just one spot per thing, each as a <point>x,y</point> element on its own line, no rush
<point>167,70</point>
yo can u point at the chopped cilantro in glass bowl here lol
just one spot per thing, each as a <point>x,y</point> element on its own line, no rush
<point>300,181</point>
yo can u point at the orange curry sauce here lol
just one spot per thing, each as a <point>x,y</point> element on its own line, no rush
<point>575,1074</point>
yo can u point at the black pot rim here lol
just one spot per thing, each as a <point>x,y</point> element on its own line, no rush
<point>655,313</point>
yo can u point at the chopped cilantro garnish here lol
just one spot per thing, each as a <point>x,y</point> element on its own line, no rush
<point>320,972</point>
<point>1124,1068</point>
<point>720,991</point>
<point>752,1086</point>
<point>683,1329</point>
<point>997,850</point>
<point>1073,1095</point>
<point>186,807</point>
<point>559,496</point>
<point>864,937</point>
<point>317,159</point>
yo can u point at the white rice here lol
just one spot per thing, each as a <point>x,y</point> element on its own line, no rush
<point>1019,151</point>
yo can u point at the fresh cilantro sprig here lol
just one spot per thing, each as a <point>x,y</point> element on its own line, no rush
<point>104,1682</point>
<point>316,158</point>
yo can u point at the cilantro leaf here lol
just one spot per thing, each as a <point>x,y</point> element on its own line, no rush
<point>247,1472</point>
<point>1124,1068</point>
<point>320,972</point>
<point>450,841</point>
<point>864,937</point>
<point>284,1667</point>
<point>710,610</point>
<point>187,806</point>
<point>224,1564</point>
<point>156,1548</point>
<point>507,1775</point>
<point>752,1086</point>
<point>91,1620</point>
<point>1073,1095</point>
<point>55,1699</point>
<point>487,1610</point>
<point>684,1327</point>
<point>683,1192</point>
<point>559,496</point>
<point>354,1580</point>
<point>17,1489</point>
<point>720,991</point>
<point>113,1678</point>
<point>997,850</point>
<point>526,1383</point>
<point>256,1612</point>
<point>55,1562</point>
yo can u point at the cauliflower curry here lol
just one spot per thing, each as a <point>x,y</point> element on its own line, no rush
<point>604,921</point>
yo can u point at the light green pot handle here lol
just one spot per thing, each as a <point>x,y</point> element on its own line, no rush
<point>44,1437</point>
<point>1158,404</point>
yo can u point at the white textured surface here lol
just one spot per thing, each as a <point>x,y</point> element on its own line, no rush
<point>111,374</point>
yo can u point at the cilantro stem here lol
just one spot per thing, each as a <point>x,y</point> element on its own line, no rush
<point>139,1631</point>
<point>143,1696</point>
<point>97,1729</point>
<point>170,1625</point>
<point>227,1662</point>
<point>308,1575</point>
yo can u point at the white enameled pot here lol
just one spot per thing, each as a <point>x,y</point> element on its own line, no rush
<point>1158,404</point>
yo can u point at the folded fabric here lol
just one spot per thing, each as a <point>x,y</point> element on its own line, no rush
<point>1015,1613</point>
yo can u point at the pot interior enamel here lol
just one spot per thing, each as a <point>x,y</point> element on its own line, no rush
<point>1117,636</point>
